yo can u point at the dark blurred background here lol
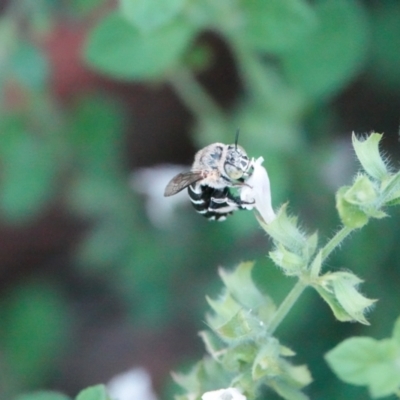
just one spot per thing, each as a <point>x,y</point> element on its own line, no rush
<point>98,272</point>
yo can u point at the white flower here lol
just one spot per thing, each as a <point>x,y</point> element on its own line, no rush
<point>224,394</point>
<point>134,384</point>
<point>258,189</point>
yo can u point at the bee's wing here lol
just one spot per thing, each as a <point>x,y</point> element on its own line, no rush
<point>181,181</point>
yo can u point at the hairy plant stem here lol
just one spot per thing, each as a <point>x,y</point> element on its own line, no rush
<point>298,288</point>
<point>335,241</point>
<point>286,306</point>
<point>194,96</point>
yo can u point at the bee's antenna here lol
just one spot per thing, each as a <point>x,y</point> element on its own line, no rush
<point>236,138</point>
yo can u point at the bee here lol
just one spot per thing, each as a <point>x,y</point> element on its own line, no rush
<point>217,168</point>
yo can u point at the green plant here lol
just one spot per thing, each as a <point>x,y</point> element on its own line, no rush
<point>245,353</point>
<point>292,58</point>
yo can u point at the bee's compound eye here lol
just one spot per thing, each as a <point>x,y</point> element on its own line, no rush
<point>233,172</point>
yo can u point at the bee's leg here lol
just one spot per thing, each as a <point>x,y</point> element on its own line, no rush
<point>233,200</point>
<point>215,204</point>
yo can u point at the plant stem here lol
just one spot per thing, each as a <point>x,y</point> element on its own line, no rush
<point>194,96</point>
<point>286,306</point>
<point>260,82</point>
<point>335,241</point>
<point>299,287</point>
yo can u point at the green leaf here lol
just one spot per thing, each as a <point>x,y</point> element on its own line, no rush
<point>312,243</point>
<point>95,135</point>
<point>366,361</point>
<point>225,307</point>
<point>205,375</point>
<point>117,48</point>
<point>338,311</point>
<point>368,154</point>
<point>241,286</point>
<point>29,66</point>
<point>390,194</point>
<point>106,244</point>
<point>277,25</point>
<point>354,303</point>
<point>283,229</point>
<point>238,327</point>
<point>35,330</point>
<point>97,392</point>
<point>213,343</point>
<point>329,57</point>
<point>287,391</point>
<point>97,194</point>
<point>235,356</point>
<point>291,263</point>
<point>47,395</point>
<point>148,15</point>
<point>267,362</point>
<point>298,375</point>
<point>30,163</point>
<point>339,289</point>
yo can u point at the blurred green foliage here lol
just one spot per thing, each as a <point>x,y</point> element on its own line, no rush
<point>47,395</point>
<point>36,325</point>
<point>369,362</point>
<point>292,57</point>
<point>97,392</point>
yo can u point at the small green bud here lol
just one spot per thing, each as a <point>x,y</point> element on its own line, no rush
<point>357,203</point>
<point>350,214</point>
<point>291,263</point>
<point>362,192</point>
<point>367,152</point>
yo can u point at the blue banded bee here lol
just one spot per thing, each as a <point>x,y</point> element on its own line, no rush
<point>217,168</point>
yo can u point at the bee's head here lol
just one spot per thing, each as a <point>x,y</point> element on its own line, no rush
<point>237,162</point>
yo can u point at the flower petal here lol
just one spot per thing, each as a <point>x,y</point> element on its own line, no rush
<point>258,189</point>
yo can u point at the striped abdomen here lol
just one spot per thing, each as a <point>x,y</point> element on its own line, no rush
<point>214,204</point>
